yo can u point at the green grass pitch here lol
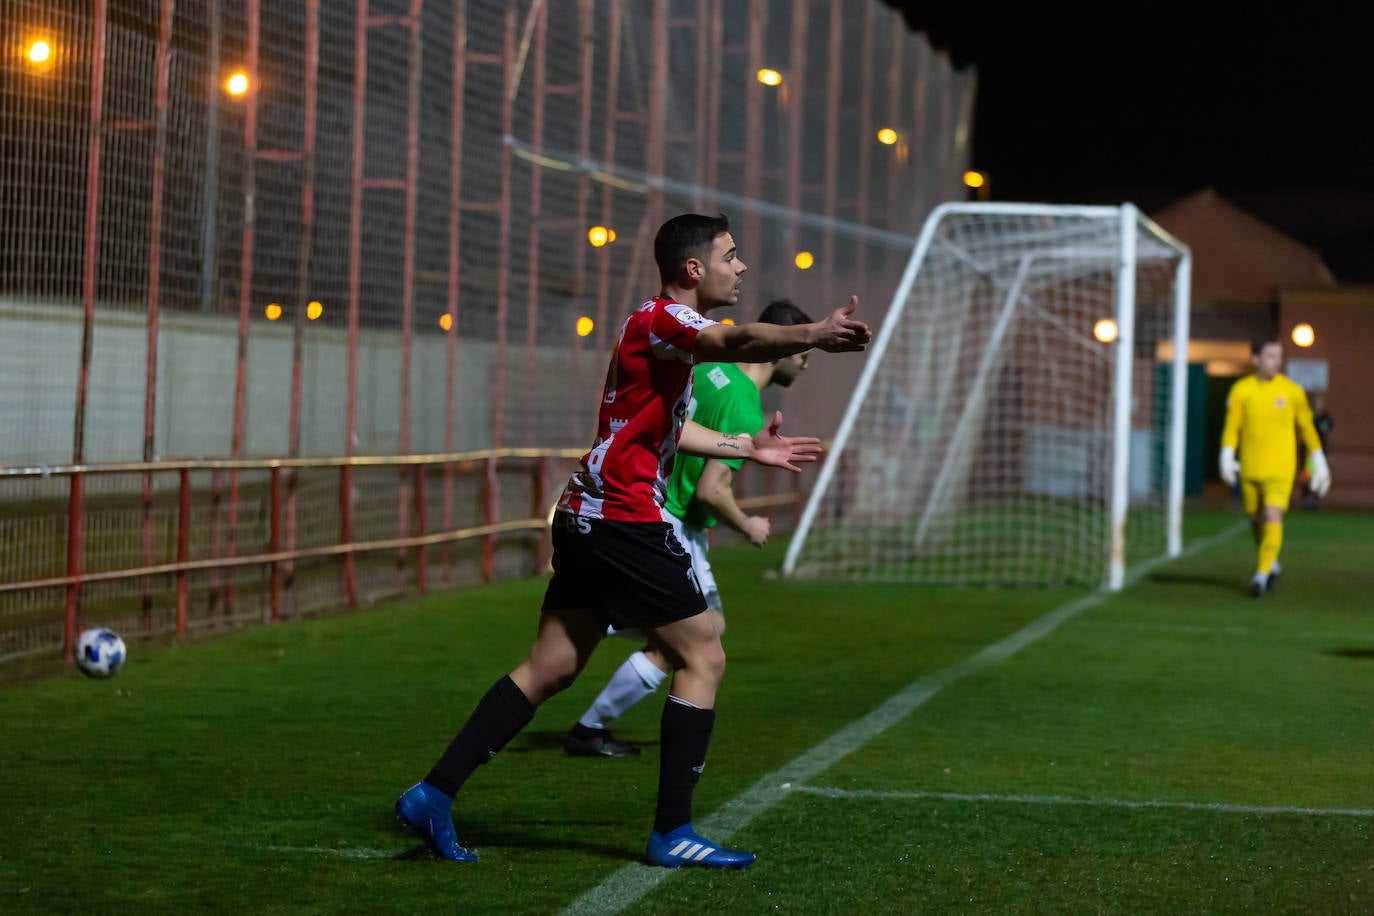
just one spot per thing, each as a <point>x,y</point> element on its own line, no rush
<point>1176,748</point>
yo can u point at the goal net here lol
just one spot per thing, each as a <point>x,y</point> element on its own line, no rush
<point>1019,420</point>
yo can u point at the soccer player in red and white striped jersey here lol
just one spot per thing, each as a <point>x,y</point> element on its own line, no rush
<point>616,560</point>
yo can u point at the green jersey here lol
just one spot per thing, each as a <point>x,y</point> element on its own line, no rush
<point>723,399</point>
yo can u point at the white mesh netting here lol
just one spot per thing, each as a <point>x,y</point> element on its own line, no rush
<point>981,444</point>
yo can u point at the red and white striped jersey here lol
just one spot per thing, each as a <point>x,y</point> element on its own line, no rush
<point>643,406</point>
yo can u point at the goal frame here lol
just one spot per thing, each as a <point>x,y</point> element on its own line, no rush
<point>1131,224</point>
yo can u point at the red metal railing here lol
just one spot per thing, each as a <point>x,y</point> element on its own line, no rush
<point>537,463</point>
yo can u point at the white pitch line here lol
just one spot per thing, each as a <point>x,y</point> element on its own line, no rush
<point>1218,631</point>
<point>631,883</point>
<point>346,852</point>
<point>1163,627</point>
<point>1091,802</point>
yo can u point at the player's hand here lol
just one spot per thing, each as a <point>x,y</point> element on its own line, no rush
<point>756,529</point>
<point>1229,466</point>
<point>772,448</point>
<point>841,334</point>
<point>1321,474</point>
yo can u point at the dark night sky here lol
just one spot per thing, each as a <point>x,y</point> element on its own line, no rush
<point>1114,100</point>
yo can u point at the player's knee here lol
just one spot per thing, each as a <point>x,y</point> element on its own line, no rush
<point>710,661</point>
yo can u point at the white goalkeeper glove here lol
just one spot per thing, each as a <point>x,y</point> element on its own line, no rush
<point>1321,474</point>
<point>1229,466</point>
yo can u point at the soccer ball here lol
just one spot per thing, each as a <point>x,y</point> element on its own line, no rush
<point>100,653</point>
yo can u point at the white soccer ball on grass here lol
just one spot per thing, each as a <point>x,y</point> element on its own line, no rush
<point>100,653</point>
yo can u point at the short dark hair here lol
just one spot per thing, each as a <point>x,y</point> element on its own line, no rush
<point>784,312</point>
<point>690,235</point>
<point>1259,343</point>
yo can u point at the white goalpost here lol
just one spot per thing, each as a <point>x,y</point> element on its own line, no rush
<point>1020,417</point>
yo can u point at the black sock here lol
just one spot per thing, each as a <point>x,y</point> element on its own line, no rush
<point>684,735</point>
<point>499,716</point>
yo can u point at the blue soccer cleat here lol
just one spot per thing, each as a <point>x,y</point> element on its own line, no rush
<point>425,810</point>
<point>684,846</point>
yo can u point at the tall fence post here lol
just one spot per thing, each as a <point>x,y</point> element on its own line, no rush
<point>274,543</point>
<point>250,190</point>
<point>164,65</point>
<point>183,546</point>
<point>75,508</point>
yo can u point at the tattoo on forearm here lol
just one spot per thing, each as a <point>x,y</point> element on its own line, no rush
<point>731,442</point>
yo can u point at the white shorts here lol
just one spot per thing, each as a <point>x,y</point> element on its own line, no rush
<point>694,542</point>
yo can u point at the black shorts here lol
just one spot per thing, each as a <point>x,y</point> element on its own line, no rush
<point>633,574</point>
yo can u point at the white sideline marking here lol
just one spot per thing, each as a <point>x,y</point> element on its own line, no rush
<point>1099,802</point>
<point>1217,631</point>
<point>1162,627</point>
<point>629,884</point>
<point>345,851</point>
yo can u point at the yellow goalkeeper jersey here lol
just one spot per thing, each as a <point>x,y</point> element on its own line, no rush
<point>1260,417</point>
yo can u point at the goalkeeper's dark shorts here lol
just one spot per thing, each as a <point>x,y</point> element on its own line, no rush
<point>632,574</point>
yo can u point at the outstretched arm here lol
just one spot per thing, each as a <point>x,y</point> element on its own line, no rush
<point>769,447</point>
<point>761,343</point>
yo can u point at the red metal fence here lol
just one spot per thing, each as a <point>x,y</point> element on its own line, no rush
<point>537,474</point>
<point>539,470</point>
<point>319,230</point>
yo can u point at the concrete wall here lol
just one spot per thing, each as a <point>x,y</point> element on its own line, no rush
<point>40,348</point>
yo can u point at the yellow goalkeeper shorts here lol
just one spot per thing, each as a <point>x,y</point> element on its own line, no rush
<point>1269,491</point>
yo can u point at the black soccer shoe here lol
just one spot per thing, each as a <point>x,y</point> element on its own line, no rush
<point>595,742</point>
<point>1272,583</point>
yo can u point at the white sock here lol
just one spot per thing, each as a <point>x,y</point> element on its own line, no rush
<point>1274,568</point>
<point>634,680</point>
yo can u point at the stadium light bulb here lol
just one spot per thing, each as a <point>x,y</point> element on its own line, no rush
<point>40,52</point>
<point>273,311</point>
<point>804,260</point>
<point>887,136</point>
<point>446,322</point>
<point>1105,330</point>
<point>584,326</point>
<point>237,83</point>
<point>770,77</point>
<point>1304,336</point>
<point>599,236</point>
<point>314,310</point>
<point>974,179</point>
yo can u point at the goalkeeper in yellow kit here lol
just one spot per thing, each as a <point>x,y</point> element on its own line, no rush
<point>1261,413</point>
